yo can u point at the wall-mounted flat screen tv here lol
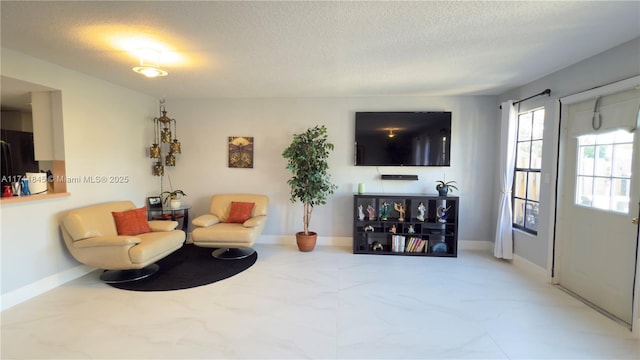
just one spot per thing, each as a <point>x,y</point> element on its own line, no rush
<point>420,138</point>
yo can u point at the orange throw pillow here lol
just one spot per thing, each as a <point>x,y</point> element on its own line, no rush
<point>132,222</point>
<point>240,212</point>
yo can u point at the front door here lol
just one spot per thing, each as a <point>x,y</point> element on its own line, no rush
<point>599,206</point>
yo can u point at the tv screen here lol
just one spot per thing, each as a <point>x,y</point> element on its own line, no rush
<point>420,138</point>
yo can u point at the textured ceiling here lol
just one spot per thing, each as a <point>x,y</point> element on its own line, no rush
<point>313,48</point>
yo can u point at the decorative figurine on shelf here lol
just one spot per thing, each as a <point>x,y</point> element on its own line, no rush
<point>421,211</point>
<point>443,214</point>
<point>439,248</point>
<point>360,213</point>
<point>377,246</point>
<point>385,208</point>
<point>25,186</point>
<point>411,230</point>
<point>7,191</point>
<point>401,209</point>
<point>393,229</point>
<point>16,187</point>
<point>372,212</point>
<point>369,228</point>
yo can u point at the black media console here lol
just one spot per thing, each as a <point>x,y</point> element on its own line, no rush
<point>405,224</point>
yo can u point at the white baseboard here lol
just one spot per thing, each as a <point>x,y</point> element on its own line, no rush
<point>347,241</point>
<point>537,272</point>
<point>526,266</point>
<point>534,270</point>
<point>341,241</point>
<point>27,292</point>
<point>474,245</point>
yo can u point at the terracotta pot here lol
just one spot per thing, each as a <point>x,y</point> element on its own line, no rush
<point>306,243</point>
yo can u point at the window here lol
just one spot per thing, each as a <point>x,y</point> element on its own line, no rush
<point>526,180</point>
<point>603,178</point>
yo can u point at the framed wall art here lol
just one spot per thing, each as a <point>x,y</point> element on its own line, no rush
<point>240,151</point>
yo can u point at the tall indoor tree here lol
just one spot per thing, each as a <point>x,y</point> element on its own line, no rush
<point>307,158</point>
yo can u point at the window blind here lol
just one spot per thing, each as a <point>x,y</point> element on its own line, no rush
<point>600,114</point>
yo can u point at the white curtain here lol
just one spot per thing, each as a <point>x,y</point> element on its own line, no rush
<point>503,246</point>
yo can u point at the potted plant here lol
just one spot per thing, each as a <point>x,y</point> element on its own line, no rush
<point>444,187</point>
<point>174,198</point>
<point>310,184</point>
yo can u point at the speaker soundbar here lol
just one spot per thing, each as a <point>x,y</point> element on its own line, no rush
<point>399,177</point>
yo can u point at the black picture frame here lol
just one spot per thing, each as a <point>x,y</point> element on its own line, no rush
<point>154,202</point>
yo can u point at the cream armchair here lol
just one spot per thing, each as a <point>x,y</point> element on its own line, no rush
<point>233,224</point>
<point>91,235</point>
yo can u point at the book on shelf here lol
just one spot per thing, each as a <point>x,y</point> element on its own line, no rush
<point>398,243</point>
<point>410,244</point>
<point>415,244</point>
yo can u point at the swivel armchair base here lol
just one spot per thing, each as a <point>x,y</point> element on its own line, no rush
<point>121,276</point>
<point>231,237</point>
<point>232,253</point>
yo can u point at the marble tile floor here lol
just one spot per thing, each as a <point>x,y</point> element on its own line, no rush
<point>327,304</point>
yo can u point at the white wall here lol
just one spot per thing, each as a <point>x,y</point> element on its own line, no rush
<point>205,125</point>
<point>107,130</point>
<point>616,64</point>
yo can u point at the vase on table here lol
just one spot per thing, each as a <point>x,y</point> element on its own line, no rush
<point>174,204</point>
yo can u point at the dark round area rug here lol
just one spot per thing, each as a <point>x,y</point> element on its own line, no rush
<point>188,267</point>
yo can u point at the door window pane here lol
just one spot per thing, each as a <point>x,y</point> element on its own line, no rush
<point>603,160</point>
<point>607,186</point>
<point>586,160</point>
<point>622,160</point>
<point>601,193</point>
<point>587,140</point>
<point>606,138</point>
<point>621,189</point>
<point>622,136</point>
<point>584,191</point>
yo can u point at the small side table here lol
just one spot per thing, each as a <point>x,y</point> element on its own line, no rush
<point>179,214</point>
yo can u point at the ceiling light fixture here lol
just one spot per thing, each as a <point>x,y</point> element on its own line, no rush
<point>149,63</point>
